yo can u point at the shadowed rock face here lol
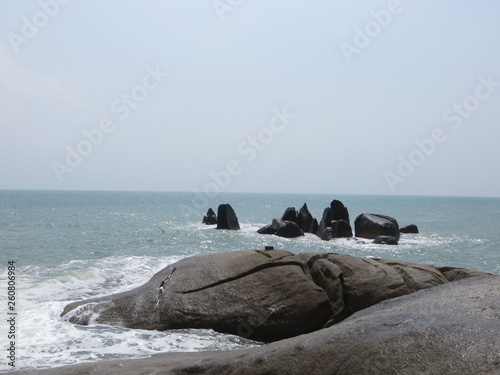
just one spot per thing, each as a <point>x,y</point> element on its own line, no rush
<point>263,295</point>
<point>450,329</point>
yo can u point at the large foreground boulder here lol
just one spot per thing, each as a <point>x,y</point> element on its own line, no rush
<point>450,329</point>
<point>373,225</point>
<point>226,218</point>
<point>261,295</point>
<point>265,295</point>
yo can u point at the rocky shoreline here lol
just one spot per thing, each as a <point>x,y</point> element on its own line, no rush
<point>319,313</point>
<point>452,328</point>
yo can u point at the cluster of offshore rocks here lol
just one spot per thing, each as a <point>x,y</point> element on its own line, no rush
<point>334,223</point>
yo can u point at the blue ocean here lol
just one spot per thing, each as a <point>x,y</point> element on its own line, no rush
<point>72,245</point>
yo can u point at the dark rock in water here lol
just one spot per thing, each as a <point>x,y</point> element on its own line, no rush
<point>304,218</point>
<point>314,226</point>
<point>345,215</point>
<point>412,228</point>
<point>264,295</point>
<point>277,223</point>
<point>226,218</point>
<point>373,225</point>
<point>289,229</point>
<point>210,218</point>
<point>327,216</point>
<point>267,229</point>
<point>327,234</point>
<point>386,240</point>
<point>321,228</point>
<point>339,211</point>
<point>449,329</point>
<point>342,228</point>
<point>290,214</point>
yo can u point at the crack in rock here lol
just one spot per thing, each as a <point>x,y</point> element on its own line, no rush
<point>243,274</point>
<point>160,291</point>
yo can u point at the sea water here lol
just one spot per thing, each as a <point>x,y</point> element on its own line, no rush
<point>69,246</point>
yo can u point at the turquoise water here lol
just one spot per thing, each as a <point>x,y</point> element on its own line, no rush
<point>73,245</point>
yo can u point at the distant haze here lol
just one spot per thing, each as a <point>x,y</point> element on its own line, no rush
<point>361,97</point>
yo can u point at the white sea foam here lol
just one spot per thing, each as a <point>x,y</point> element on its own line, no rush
<point>47,340</point>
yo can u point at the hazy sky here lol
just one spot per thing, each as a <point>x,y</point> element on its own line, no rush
<point>362,97</point>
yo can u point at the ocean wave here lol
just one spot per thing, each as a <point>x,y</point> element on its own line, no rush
<point>55,342</point>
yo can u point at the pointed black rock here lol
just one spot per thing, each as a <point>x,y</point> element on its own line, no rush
<point>226,218</point>
<point>305,218</point>
<point>339,211</point>
<point>327,217</point>
<point>342,228</point>
<point>314,226</point>
<point>291,214</point>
